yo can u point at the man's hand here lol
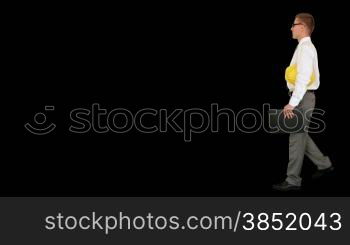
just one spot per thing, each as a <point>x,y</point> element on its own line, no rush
<point>288,111</point>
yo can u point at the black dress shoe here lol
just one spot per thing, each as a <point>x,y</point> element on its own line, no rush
<point>320,173</point>
<point>285,186</point>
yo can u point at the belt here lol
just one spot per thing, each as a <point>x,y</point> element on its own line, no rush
<point>307,91</point>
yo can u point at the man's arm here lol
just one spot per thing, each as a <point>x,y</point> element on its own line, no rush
<point>304,72</point>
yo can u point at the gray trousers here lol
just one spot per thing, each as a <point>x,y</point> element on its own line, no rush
<point>301,144</point>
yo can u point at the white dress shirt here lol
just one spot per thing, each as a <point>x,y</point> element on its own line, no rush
<point>305,59</point>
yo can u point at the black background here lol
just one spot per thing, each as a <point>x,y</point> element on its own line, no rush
<point>162,56</point>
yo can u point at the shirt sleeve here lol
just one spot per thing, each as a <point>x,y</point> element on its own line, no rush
<point>304,71</point>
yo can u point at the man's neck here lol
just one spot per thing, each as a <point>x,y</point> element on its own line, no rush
<point>299,39</point>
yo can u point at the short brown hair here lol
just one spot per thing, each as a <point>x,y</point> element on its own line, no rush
<point>308,20</point>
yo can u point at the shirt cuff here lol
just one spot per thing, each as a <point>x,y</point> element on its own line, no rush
<point>294,101</point>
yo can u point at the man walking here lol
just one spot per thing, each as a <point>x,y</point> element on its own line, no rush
<point>303,78</point>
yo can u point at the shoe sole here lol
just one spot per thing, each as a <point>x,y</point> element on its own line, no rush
<point>288,189</point>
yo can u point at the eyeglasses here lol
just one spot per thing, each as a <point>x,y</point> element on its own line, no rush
<point>296,24</point>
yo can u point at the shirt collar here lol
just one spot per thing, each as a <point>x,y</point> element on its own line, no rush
<point>304,39</point>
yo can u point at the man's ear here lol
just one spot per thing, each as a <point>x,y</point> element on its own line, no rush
<point>305,28</point>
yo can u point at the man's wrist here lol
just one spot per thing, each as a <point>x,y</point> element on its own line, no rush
<point>293,101</point>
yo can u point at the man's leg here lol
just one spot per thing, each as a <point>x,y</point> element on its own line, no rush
<point>315,155</point>
<point>297,146</point>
